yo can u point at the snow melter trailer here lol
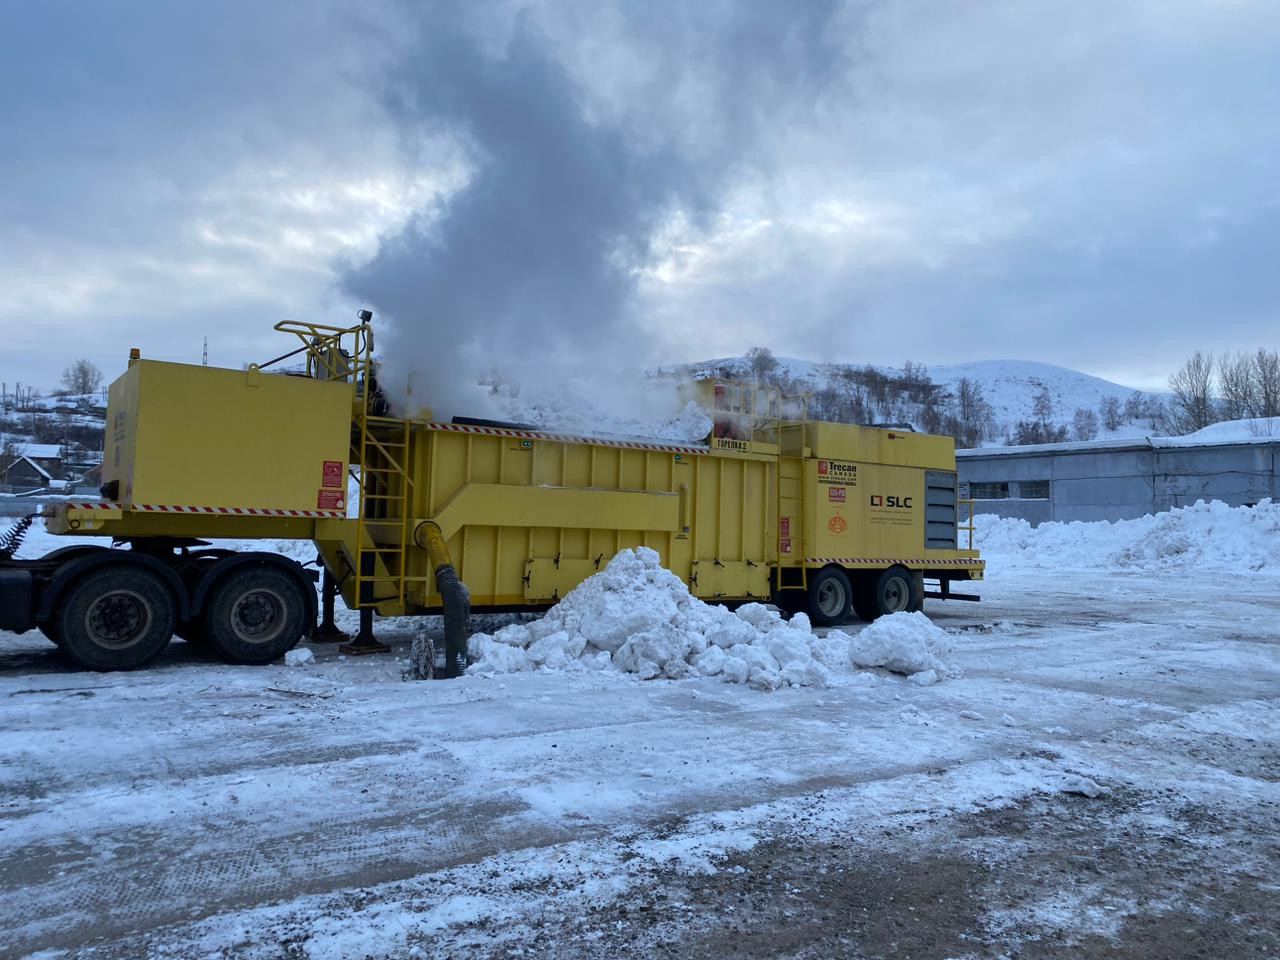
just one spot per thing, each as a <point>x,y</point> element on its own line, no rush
<point>827,517</point>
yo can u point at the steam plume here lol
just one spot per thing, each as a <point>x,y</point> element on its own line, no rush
<point>534,262</point>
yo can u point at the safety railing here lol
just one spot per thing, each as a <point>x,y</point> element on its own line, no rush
<point>332,353</point>
<point>969,526</point>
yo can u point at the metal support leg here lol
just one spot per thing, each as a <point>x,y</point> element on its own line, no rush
<point>327,631</point>
<point>364,641</point>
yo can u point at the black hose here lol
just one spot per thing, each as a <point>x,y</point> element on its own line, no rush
<point>12,538</point>
<point>457,615</point>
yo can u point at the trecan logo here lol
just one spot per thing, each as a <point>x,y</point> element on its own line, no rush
<point>893,502</point>
<point>823,468</point>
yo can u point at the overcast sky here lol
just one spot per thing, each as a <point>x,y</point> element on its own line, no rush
<point>1092,184</point>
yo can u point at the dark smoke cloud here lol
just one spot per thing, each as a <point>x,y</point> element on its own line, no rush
<point>574,168</point>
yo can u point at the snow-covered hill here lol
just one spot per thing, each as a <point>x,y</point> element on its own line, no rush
<point>1009,386</point>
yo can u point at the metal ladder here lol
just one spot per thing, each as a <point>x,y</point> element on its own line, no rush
<point>382,527</point>
<point>798,482</point>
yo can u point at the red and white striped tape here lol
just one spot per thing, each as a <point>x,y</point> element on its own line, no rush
<point>564,438</point>
<point>216,511</point>
<point>890,561</point>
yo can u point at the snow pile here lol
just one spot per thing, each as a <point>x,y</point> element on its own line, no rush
<point>1205,535</point>
<point>639,618</point>
<point>1228,431</point>
<point>907,643</point>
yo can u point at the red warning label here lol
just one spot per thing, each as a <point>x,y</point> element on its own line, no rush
<point>784,546</point>
<point>331,475</point>
<point>330,500</point>
<point>784,527</point>
<point>836,494</point>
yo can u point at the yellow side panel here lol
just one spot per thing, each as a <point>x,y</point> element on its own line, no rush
<point>183,435</point>
<point>527,519</point>
<point>512,505</point>
<point>864,510</point>
<point>546,581</point>
<point>730,578</point>
<point>841,441</point>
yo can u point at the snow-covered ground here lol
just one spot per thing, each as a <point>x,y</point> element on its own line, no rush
<point>1098,776</point>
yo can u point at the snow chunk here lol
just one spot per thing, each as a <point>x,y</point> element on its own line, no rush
<point>759,616</point>
<point>299,656</point>
<point>907,643</point>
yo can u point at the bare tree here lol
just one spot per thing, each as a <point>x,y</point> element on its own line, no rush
<point>974,415</point>
<point>1192,389</point>
<point>1084,424</point>
<point>1237,386</point>
<point>1036,431</point>
<point>10,451</point>
<point>1156,413</point>
<point>81,377</point>
<point>1266,378</point>
<point>762,362</point>
<point>1109,409</point>
<point>1043,406</point>
<point>1135,406</point>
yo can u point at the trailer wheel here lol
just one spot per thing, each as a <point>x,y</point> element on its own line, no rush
<point>115,618</point>
<point>829,597</point>
<point>897,591</point>
<point>255,615</point>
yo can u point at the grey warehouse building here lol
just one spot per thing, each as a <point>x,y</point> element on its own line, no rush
<point>1117,479</point>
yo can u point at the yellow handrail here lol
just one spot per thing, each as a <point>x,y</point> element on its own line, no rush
<point>970,527</point>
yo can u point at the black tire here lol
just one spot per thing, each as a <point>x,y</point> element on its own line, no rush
<point>256,614</point>
<point>897,590</point>
<point>117,617</point>
<point>864,596</point>
<point>830,596</point>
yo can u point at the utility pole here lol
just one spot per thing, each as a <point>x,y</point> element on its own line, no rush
<point>205,362</point>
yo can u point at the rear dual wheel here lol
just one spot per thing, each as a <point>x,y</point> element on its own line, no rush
<point>255,614</point>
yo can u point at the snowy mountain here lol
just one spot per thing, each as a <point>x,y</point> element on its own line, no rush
<point>1009,386</point>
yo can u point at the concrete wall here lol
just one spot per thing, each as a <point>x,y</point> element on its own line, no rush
<point>1124,482</point>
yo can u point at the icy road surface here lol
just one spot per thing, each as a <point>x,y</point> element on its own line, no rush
<point>1103,781</point>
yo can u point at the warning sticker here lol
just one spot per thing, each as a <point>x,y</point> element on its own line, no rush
<point>784,527</point>
<point>331,475</point>
<point>330,500</point>
<point>837,524</point>
<point>784,546</point>
<point>836,494</point>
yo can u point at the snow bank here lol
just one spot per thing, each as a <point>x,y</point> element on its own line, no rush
<point>1228,431</point>
<point>1206,535</point>
<point>639,618</point>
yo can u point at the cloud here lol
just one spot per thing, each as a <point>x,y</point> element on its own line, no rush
<point>1090,183</point>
